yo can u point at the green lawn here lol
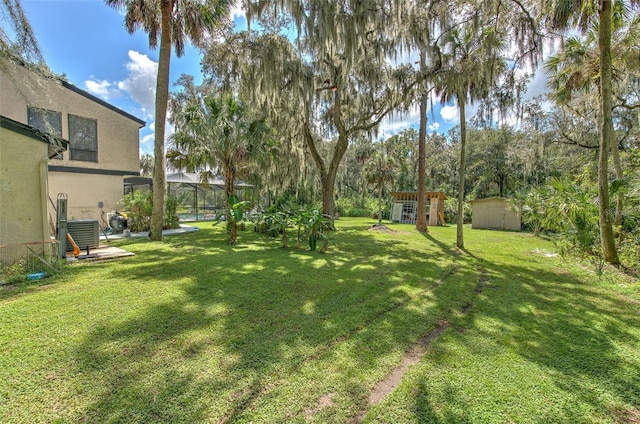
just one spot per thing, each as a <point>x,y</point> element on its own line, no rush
<point>193,330</point>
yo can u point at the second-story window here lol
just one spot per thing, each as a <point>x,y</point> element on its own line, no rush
<point>83,135</point>
<point>48,121</point>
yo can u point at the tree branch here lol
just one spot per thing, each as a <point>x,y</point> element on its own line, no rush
<point>571,141</point>
<point>311,143</point>
<point>625,105</point>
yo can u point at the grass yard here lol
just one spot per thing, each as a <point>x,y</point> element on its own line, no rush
<point>193,330</point>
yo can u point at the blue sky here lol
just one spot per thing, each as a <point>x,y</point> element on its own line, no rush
<point>86,41</point>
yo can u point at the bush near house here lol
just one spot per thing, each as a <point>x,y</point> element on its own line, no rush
<point>138,206</point>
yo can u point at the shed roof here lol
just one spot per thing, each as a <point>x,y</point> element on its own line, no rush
<point>413,195</point>
<point>489,199</point>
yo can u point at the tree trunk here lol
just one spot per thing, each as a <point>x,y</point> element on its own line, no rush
<point>379,202</point>
<point>229,188</point>
<point>328,201</point>
<point>363,201</point>
<point>162,97</point>
<point>421,212</point>
<point>327,175</point>
<point>604,44</point>
<point>233,232</point>
<point>617,168</point>
<point>461,172</point>
<point>229,182</point>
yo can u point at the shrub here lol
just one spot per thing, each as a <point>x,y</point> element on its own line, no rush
<point>171,204</point>
<point>138,206</point>
<point>14,273</point>
<point>630,249</point>
<point>359,212</point>
<point>573,213</point>
<point>531,208</point>
<point>451,211</point>
<point>343,205</point>
<point>309,225</point>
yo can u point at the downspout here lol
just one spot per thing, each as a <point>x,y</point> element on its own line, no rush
<point>44,197</point>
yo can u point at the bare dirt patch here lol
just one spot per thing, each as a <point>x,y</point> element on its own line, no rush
<point>381,228</point>
<point>627,416</point>
<point>326,401</point>
<point>545,253</point>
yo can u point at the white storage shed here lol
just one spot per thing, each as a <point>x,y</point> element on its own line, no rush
<point>494,213</point>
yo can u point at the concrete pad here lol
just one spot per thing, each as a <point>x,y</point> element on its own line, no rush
<point>184,229</point>
<point>100,254</point>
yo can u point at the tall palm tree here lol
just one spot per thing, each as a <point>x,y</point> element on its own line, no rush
<point>176,21</point>
<point>418,30</point>
<point>217,133</point>
<point>582,14</point>
<point>471,64</point>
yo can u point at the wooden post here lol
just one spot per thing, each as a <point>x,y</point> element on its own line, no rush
<point>434,209</point>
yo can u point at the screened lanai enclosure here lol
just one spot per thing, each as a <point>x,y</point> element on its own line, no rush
<point>198,201</point>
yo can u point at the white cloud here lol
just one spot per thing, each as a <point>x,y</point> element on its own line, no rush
<point>139,86</point>
<point>393,124</point>
<point>237,10</point>
<point>450,114</point>
<point>104,89</point>
<point>140,83</point>
<point>147,140</point>
<point>434,126</point>
<point>537,85</point>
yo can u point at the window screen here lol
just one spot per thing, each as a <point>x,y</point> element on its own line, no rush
<point>45,120</point>
<point>83,135</point>
<point>48,121</point>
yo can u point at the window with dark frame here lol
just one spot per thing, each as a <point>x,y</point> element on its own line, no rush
<point>48,121</point>
<point>83,136</point>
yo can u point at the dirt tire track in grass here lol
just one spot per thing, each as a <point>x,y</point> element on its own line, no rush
<point>386,386</point>
<point>245,398</point>
<point>250,394</point>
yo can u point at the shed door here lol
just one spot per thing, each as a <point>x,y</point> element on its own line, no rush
<point>396,213</point>
<point>495,217</point>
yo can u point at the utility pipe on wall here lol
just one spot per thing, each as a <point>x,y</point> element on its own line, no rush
<point>44,197</point>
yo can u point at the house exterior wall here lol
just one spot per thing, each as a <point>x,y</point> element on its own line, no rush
<point>494,213</point>
<point>21,186</point>
<point>86,204</point>
<point>86,182</point>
